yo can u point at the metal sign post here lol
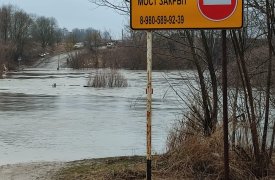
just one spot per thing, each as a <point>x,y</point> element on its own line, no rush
<point>225,109</point>
<point>149,91</point>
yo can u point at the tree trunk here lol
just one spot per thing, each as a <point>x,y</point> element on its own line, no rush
<point>207,123</point>
<point>253,124</point>
<point>269,74</point>
<point>213,77</point>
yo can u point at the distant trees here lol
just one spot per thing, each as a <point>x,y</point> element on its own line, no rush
<point>59,36</point>
<point>5,21</point>
<point>20,25</point>
<point>19,31</point>
<point>24,35</point>
<point>17,26</point>
<point>45,31</point>
<point>79,35</point>
<point>14,34</point>
<point>93,37</point>
<point>106,36</point>
<point>14,27</point>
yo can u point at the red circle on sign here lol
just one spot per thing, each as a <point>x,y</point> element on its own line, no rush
<point>217,11</point>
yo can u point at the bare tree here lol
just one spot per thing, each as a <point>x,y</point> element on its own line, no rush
<point>5,21</point>
<point>122,6</point>
<point>20,30</point>
<point>43,31</point>
<point>93,37</point>
<point>270,17</point>
<point>106,36</point>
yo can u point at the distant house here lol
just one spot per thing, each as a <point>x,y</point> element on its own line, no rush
<point>79,45</point>
<point>110,45</point>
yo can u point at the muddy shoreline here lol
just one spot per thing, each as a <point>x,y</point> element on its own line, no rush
<point>30,171</point>
<point>97,168</point>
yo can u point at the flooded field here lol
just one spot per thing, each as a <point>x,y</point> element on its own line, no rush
<point>41,123</point>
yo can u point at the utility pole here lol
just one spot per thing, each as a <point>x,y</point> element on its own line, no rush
<point>149,91</point>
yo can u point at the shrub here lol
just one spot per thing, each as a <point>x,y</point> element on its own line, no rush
<point>82,59</point>
<point>107,78</point>
<point>6,57</point>
<point>191,154</point>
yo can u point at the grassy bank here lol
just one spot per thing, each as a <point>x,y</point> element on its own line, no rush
<point>108,168</point>
<point>197,161</point>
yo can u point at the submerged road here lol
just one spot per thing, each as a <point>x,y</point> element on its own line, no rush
<point>52,62</point>
<point>55,61</point>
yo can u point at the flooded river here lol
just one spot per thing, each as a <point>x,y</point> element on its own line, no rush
<point>41,123</point>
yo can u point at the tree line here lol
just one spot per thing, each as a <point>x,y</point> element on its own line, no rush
<point>20,32</point>
<point>18,28</point>
<point>25,36</point>
<point>92,38</point>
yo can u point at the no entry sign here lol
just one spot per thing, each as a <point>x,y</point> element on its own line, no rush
<point>186,14</point>
<point>217,10</point>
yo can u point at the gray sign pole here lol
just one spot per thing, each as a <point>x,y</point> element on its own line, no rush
<point>149,91</point>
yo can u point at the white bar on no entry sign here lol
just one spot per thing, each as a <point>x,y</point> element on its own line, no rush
<point>216,2</point>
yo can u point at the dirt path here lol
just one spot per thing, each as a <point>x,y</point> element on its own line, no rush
<point>30,171</point>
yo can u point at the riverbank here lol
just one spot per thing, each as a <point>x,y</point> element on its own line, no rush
<point>127,167</point>
<point>133,167</point>
<point>30,171</point>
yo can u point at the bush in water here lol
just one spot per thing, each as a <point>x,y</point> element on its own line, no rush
<point>108,78</point>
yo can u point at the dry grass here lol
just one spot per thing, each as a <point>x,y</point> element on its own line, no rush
<point>107,78</point>
<point>189,156</point>
<point>196,156</point>
<point>118,168</point>
<point>107,168</point>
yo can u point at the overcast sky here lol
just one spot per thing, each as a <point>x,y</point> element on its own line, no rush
<point>74,14</point>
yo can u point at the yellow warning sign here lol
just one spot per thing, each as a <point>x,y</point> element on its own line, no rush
<point>186,14</point>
